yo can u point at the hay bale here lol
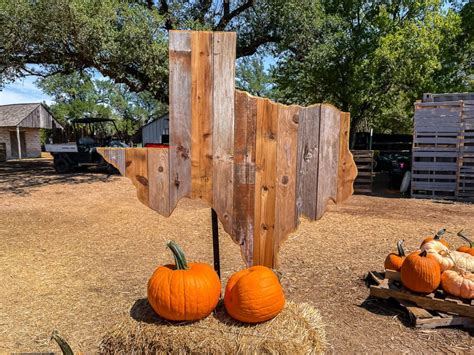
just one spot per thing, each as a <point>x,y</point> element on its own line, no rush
<point>298,329</point>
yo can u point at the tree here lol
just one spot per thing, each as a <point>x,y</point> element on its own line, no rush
<point>252,77</point>
<point>372,58</point>
<point>124,40</point>
<point>79,95</point>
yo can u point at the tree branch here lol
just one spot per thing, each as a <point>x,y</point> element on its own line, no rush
<point>164,10</point>
<point>226,18</point>
<point>251,48</point>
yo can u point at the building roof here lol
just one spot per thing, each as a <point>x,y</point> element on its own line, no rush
<point>34,115</point>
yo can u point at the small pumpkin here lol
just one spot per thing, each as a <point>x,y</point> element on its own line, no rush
<point>183,292</point>
<point>394,261</point>
<point>458,283</point>
<point>469,249</point>
<point>254,295</point>
<point>446,258</point>
<point>436,237</point>
<point>420,272</point>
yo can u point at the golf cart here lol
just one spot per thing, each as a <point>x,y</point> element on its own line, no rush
<point>89,133</point>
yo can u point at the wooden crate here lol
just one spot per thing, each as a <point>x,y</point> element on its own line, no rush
<point>437,309</point>
<point>466,154</point>
<point>442,142</point>
<point>364,160</point>
<point>3,152</point>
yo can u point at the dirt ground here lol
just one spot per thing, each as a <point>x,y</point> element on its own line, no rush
<point>77,250</point>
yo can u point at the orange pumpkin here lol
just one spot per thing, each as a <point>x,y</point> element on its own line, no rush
<point>458,283</point>
<point>183,292</point>
<point>437,237</point>
<point>254,295</point>
<point>420,272</point>
<point>394,261</point>
<point>466,249</point>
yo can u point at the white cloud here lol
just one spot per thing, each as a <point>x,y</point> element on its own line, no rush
<point>23,91</point>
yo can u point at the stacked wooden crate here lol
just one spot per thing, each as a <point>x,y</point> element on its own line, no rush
<point>3,152</point>
<point>443,151</point>
<point>466,161</point>
<point>364,160</point>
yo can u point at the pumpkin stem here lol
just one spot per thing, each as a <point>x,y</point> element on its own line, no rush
<point>463,236</point>
<point>179,258</point>
<point>423,253</point>
<point>439,234</point>
<point>401,251</point>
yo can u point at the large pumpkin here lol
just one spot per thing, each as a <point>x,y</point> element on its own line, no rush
<point>254,295</point>
<point>436,237</point>
<point>458,283</point>
<point>183,292</point>
<point>394,261</point>
<point>446,258</point>
<point>420,272</point>
<point>466,248</point>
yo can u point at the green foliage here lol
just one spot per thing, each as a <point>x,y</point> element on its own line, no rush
<point>79,95</point>
<point>373,59</point>
<point>252,77</point>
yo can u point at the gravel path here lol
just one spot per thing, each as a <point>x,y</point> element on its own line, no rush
<point>77,250</point>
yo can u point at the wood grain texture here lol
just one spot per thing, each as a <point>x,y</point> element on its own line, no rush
<point>115,157</point>
<point>347,169</point>
<point>265,182</point>
<point>308,161</point>
<point>259,164</point>
<point>328,157</point>
<point>201,115</point>
<point>180,116</point>
<point>244,173</point>
<point>136,169</point>
<point>224,46</point>
<point>286,217</point>
<point>159,180</point>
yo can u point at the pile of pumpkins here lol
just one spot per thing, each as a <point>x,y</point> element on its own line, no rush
<point>190,291</point>
<point>434,264</point>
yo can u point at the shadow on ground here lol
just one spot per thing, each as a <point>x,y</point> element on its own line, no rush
<point>23,177</point>
<point>141,311</point>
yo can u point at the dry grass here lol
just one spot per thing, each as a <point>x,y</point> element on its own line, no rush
<point>77,250</point>
<point>298,329</point>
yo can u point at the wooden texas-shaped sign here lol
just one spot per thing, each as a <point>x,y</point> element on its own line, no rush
<point>259,164</point>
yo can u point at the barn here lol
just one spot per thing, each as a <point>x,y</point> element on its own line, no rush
<point>20,126</point>
<point>156,132</point>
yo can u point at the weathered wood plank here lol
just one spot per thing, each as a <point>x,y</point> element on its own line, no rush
<point>307,161</point>
<point>347,169</point>
<point>328,157</point>
<point>286,217</point>
<point>265,178</point>
<point>136,169</point>
<point>224,46</point>
<point>114,156</point>
<point>180,115</point>
<point>244,173</point>
<point>201,115</point>
<point>159,180</point>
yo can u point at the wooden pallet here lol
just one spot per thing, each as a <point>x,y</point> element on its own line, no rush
<point>434,310</point>
<point>364,160</point>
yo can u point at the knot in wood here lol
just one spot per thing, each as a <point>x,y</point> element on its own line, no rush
<point>296,118</point>
<point>307,155</point>
<point>160,169</point>
<point>284,180</point>
<point>264,188</point>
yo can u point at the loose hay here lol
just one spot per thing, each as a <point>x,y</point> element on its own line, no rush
<point>298,329</point>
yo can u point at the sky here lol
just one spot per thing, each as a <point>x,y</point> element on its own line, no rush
<point>23,91</point>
